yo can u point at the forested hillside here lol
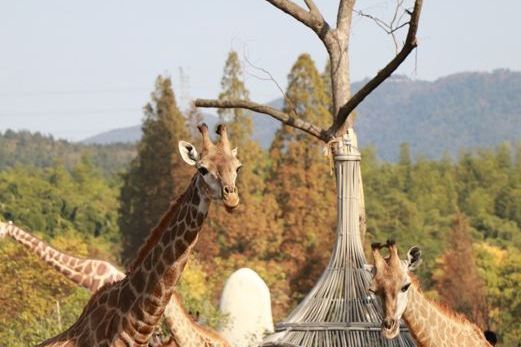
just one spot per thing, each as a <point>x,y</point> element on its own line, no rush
<point>465,213</point>
<point>35,149</point>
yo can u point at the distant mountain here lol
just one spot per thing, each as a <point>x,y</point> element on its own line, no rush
<point>464,110</point>
<point>460,111</point>
<point>264,130</point>
<point>120,135</point>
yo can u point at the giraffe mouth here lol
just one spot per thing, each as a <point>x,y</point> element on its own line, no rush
<point>392,331</point>
<point>231,205</point>
<point>230,201</point>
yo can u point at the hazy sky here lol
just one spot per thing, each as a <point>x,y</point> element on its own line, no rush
<point>75,69</point>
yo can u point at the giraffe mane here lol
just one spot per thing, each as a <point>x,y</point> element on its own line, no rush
<point>444,308</point>
<point>156,232</point>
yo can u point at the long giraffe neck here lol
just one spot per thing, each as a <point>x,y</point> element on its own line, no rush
<point>433,326</point>
<point>126,312</point>
<point>180,324</point>
<point>88,273</point>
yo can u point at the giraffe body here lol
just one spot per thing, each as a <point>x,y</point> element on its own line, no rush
<point>125,313</point>
<point>97,273</point>
<point>430,324</point>
<point>187,332</point>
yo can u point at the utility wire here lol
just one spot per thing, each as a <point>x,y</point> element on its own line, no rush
<point>74,92</point>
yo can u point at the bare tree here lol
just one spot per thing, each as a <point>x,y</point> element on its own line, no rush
<point>336,42</point>
<point>322,307</point>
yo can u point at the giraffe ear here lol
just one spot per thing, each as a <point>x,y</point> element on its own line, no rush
<point>414,258</point>
<point>235,151</point>
<point>188,153</point>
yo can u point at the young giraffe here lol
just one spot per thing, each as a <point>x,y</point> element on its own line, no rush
<point>93,274</point>
<point>430,324</point>
<point>125,313</point>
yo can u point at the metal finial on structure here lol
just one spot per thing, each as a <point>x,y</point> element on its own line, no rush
<point>339,310</point>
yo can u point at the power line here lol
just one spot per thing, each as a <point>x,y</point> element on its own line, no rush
<point>74,92</point>
<point>71,112</point>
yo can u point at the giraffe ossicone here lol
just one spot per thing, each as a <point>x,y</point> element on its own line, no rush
<point>126,312</point>
<point>430,324</point>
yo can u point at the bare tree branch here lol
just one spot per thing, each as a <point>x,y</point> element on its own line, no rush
<point>313,19</point>
<point>342,19</point>
<point>285,118</point>
<point>382,75</point>
<point>393,25</point>
<point>270,78</point>
<point>312,7</point>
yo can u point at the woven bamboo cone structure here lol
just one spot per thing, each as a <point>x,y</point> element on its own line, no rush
<point>339,311</point>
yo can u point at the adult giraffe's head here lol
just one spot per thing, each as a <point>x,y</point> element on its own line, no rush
<point>217,164</point>
<point>391,282</point>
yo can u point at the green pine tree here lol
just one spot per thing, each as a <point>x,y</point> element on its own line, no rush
<point>240,125</point>
<point>156,175</point>
<point>301,181</point>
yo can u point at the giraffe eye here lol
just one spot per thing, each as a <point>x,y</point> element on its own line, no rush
<point>202,170</point>
<point>239,169</point>
<point>405,287</point>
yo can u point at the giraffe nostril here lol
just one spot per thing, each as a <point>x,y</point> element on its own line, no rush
<point>388,323</point>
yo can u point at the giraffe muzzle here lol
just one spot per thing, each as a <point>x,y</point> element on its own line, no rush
<point>390,328</point>
<point>230,198</point>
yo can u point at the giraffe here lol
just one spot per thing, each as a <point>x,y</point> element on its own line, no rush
<point>88,273</point>
<point>430,324</point>
<point>93,274</point>
<point>124,313</point>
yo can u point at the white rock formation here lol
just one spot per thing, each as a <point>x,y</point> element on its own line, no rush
<point>246,302</point>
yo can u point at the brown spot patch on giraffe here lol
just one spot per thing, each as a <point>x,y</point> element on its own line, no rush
<point>145,328</point>
<point>179,246</point>
<point>138,280</point>
<point>103,298</point>
<point>196,199</point>
<point>113,297</point>
<point>126,326</point>
<point>87,282</point>
<point>200,218</point>
<point>183,213</point>
<point>169,255</point>
<point>96,316</point>
<point>126,298</point>
<point>77,278</point>
<point>151,281</point>
<point>85,339</point>
<point>190,234</point>
<point>165,240</point>
<point>88,268</point>
<point>147,265</point>
<point>155,234</point>
<point>64,258</point>
<point>100,270</point>
<point>156,255</point>
<point>193,212</point>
